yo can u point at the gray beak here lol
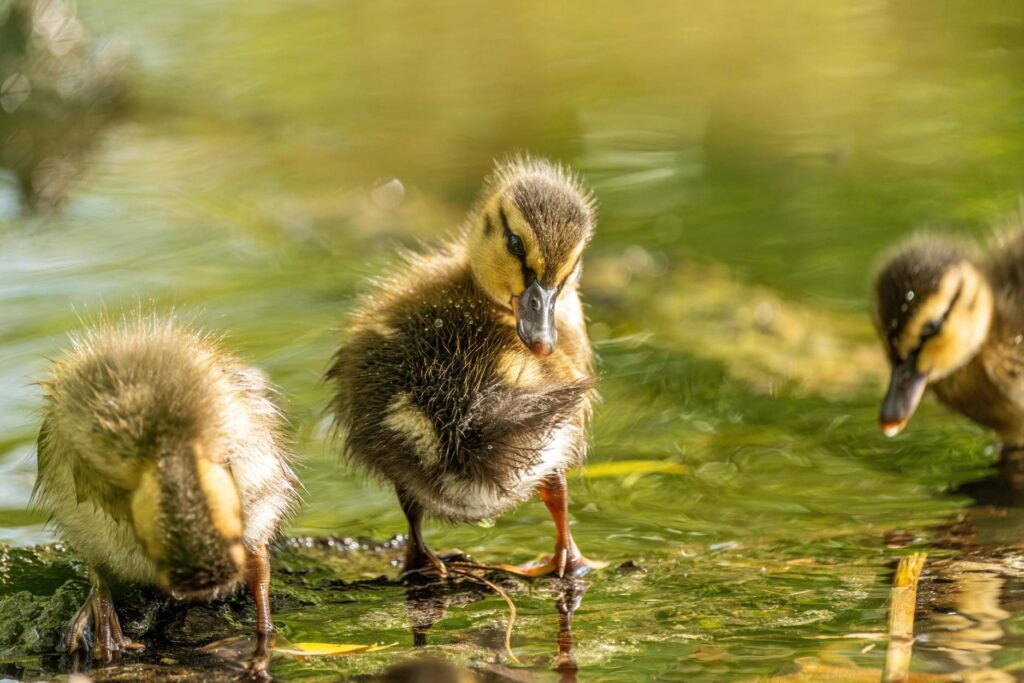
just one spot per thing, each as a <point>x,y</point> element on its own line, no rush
<point>535,319</point>
<point>905,390</point>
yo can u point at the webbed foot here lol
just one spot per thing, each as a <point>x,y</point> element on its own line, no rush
<point>564,562</point>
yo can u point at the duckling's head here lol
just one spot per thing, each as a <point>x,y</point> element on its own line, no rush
<point>932,310</point>
<point>187,514</point>
<point>526,243</point>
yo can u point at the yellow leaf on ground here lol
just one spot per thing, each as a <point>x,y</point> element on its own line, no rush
<point>625,468</point>
<point>328,649</point>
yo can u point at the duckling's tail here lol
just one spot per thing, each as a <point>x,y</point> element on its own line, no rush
<point>498,438</point>
<point>188,514</point>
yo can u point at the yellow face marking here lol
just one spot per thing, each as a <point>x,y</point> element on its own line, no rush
<point>520,369</point>
<point>145,504</point>
<point>411,422</point>
<point>565,269</point>
<point>963,302</point>
<point>930,310</point>
<point>221,496</point>
<point>496,269</point>
<point>962,333</point>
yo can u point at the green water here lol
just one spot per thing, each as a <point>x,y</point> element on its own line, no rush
<point>751,159</point>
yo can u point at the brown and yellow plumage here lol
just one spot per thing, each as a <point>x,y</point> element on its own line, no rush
<point>457,387</point>
<point>162,461</point>
<point>952,317</point>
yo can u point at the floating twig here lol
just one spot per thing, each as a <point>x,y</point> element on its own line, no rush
<point>462,568</point>
<point>902,606</point>
<point>505,596</point>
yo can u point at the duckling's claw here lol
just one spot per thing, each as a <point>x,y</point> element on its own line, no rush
<point>78,630</point>
<point>258,665</point>
<point>562,564</point>
<point>562,558</point>
<point>420,561</point>
<point>106,634</point>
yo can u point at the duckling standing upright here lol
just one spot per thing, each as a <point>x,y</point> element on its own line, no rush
<point>466,381</point>
<point>953,318</point>
<point>162,461</point>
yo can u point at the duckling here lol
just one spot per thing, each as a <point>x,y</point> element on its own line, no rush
<point>466,381</point>
<point>162,461</point>
<point>952,318</point>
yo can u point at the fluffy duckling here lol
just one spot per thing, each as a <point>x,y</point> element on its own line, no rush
<point>162,460</point>
<point>953,318</point>
<point>466,381</point>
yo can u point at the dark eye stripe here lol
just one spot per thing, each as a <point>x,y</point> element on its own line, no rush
<point>512,240</point>
<point>528,274</point>
<point>935,326</point>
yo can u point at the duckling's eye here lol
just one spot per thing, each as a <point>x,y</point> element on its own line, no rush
<point>515,245</point>
<point>931,329</point>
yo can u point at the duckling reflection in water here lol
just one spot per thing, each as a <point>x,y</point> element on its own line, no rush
<point>427,606</point>
<point>162,461</point>
<point>953,318</point>
<point>59,92</point>
<point>466,381</point>
<point>966,623</point>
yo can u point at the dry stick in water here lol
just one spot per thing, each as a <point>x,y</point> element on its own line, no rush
<point>902,605</point>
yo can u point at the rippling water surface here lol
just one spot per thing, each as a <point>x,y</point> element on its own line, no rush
<point>751,159</point>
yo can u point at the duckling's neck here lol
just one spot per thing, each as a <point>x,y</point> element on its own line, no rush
<point>980,392</point>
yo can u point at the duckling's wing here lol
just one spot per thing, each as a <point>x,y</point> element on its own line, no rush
<point>61,474</point>
<point>44,457</point>
<point>498,438</point>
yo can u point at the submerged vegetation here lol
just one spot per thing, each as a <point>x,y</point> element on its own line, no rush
<point>750,161</point>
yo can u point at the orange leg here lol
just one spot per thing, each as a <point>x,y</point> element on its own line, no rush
<point>257,577</point>
<point>106,628</point>
<point>567,559</point>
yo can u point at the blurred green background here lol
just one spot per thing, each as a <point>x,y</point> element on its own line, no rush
<point>751,160</point>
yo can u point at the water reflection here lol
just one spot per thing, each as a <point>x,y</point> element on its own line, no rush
<point>965,621</point>
<point>426,670</point>
<point>568,596</point>
<point>58,92</point>
<point>428,604</point>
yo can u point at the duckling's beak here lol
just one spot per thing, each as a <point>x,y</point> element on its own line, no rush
<point>535,318</point>
<point>905,390</point>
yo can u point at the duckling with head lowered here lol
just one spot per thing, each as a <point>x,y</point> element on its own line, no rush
<point>466,380</point>
<point>162,461</point>
<point>953,318</point>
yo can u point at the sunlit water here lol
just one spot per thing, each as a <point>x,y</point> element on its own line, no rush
<point>750,159</point>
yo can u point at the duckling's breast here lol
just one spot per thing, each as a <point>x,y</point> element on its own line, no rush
<point>438,398</point>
